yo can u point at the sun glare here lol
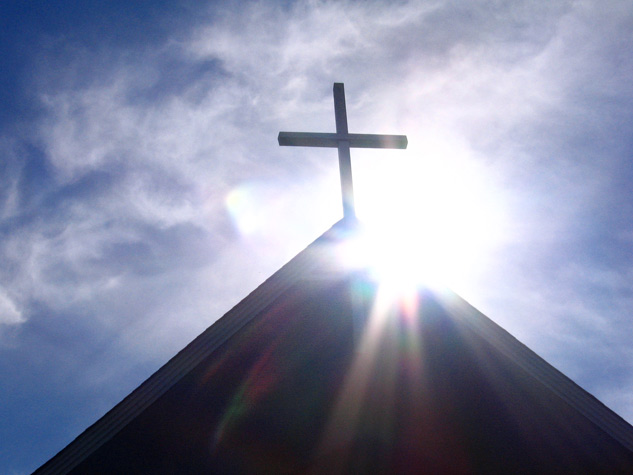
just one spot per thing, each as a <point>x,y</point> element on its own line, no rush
<point>430,222</point>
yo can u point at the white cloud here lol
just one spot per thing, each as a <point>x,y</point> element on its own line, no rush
<point>116,238</point>
<point>136,159</point>
<point>9,313</point>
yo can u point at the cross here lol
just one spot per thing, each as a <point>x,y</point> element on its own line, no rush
<point>343,140</point>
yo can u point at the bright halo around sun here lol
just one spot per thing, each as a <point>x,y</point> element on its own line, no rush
<point>431,221</point>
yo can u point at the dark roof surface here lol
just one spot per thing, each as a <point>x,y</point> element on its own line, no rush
<point>280,385</point>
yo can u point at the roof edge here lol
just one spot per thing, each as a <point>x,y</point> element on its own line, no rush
<point>564,387</point>
<point>107,426</point>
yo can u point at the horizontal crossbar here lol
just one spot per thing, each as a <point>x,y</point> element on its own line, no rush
<point>310,139</point>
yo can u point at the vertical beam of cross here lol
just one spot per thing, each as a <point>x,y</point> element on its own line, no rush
<point>343,141</point>
<point>344,155</point>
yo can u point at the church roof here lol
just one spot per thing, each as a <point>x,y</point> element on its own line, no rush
<point>280,384</point>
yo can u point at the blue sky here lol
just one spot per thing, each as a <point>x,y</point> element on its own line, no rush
<point>143,193</point>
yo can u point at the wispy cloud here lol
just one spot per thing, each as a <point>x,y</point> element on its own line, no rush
<point>137,153</point>
<point>9,313</point>
<point>149,194</point>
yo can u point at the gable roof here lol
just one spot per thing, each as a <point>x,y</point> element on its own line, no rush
<point>278,383</point>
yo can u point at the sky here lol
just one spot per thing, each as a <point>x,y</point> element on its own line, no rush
<point>143,192</point>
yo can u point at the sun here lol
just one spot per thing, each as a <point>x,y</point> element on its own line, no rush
<point>424,222</point>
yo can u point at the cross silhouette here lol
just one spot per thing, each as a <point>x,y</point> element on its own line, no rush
<point>343,140</point>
